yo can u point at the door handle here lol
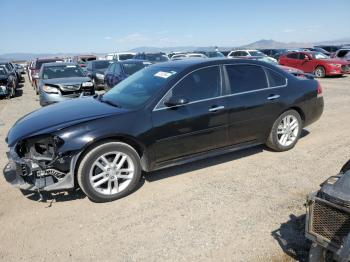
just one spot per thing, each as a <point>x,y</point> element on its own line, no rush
<point>216,108</point>
<point>273,97</point>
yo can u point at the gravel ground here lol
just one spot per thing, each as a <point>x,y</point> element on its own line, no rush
<point>243,206</point>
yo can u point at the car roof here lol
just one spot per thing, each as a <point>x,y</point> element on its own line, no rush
<point>203,62</point>
<point>132,61</point>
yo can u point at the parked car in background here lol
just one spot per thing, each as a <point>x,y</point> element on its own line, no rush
<point>81,60</point>
<point>96,71</point>
<point>11,69</point>
<point>163,115</point>
<point>58,82</point>
<point>291,70</point>
<point>274,53</point>
<point>188,55</point>
<point>20,69</point>
<point>318,49</point>
<point>316,63</point>
<point>37,66</point>
<point>121,56</point>
<point>210,54</point>
<point>30,68</point>
<point>7,83</point>
<point>118,71</point>
<point>152,57</point>
<point>225,53</point>
<point>343,54</point>
<point>244,54</point>
<point>329,48</point>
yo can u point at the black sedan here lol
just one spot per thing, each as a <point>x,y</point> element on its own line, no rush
<point>7,83</point>
<point>96,71</point>
<point>163,115</point>
<point>118,71</point>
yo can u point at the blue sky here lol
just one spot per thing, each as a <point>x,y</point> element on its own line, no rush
<point>42,26</point>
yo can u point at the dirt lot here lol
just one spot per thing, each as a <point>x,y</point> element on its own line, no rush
<point>244,206</point>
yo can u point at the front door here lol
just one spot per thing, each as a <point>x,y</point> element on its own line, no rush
<point>195,126</point>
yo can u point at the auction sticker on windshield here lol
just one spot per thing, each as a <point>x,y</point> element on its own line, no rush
<point>164,74</point>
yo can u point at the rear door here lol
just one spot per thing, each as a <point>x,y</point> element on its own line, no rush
<point>253,103</point>
<point>198,126</point>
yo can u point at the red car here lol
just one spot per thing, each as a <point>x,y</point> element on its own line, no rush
<point>316,63</point>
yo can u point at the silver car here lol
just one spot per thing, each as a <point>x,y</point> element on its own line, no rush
<point>62,81</point>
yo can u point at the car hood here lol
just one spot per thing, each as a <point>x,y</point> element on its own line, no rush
<point>59,116</point>
<point>65,81</point>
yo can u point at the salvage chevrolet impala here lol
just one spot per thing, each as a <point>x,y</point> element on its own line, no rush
<point>163,115</point>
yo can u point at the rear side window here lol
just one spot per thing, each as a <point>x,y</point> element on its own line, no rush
<point>245,78</point>
<point>275,79</point>
<point>293,55</point>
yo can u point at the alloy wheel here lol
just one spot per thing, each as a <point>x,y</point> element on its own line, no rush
<point>111,173</point>
<point>287,131</point>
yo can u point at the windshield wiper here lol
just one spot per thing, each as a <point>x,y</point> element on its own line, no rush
<point>100,98</point>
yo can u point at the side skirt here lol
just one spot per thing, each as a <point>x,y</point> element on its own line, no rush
<point>204,155</point>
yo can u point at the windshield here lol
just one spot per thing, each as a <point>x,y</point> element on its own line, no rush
<point>131,68</point>
<point>125,57</point>
<point>39,63</point>
<point>62,72</point>
<point>135,90</point>
<point>102,64</point>
<point>256,53</point>
<point>319,55</point>
<point>156,57</point>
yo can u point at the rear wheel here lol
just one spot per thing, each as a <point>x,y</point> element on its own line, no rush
<point>320,72</point>
<point>285,131</point>
<point>109,171</point>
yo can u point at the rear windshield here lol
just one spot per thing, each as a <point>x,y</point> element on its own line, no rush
<point>125,57</point>
<point>102,64</point>
<point>157,58</point>
<point>63,71</point>
<point>39,63</point>
<point>131,68</point>
<point>214,54</point>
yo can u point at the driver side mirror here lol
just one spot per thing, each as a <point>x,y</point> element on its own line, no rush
<point>175,101</point>
<point>306,58</point>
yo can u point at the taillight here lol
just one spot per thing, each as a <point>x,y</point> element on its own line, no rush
<point>319,89</point>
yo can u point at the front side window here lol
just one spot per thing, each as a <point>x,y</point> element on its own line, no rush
<point>293,55</point>
<point>245,78</point>
<point>201,84</point>
<point>101,64</point>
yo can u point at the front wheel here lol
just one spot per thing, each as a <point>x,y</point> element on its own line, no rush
<point>285,131</point>
<point>109,171</point>
<point>320,72</point>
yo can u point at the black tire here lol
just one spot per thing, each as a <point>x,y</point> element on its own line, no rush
<point>87,163</point>
<point>273,139</point>
<point>320,72</point>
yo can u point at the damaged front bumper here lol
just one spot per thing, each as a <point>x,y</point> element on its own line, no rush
<point>27,174</point>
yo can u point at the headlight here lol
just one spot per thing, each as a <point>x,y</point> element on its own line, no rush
<point>50,89</point>
<point>100,76</point>
<point>336,65</point>
<point>87,84</point>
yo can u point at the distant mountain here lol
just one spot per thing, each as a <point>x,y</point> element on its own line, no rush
<point>261,44</point>
<point>152,49</point>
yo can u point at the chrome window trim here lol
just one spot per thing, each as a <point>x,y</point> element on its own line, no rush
<point>212,98</point>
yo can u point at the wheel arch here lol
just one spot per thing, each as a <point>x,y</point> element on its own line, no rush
<point>131,141</point>
<point>299,110</point>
